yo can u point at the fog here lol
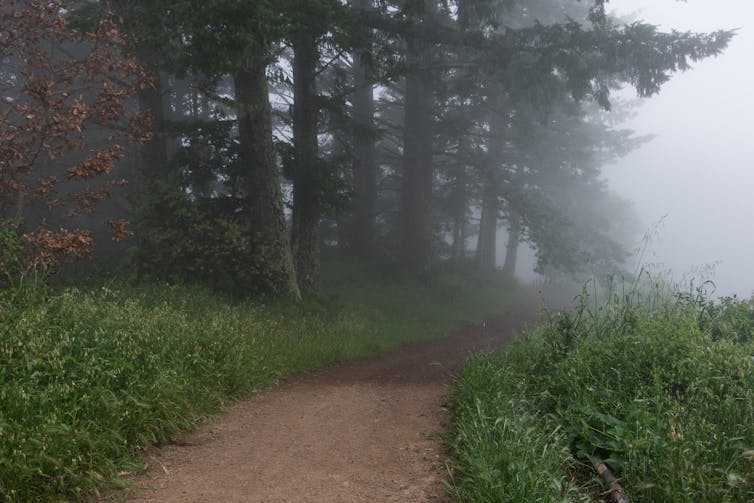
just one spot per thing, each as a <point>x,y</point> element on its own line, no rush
<point>694,182</point>
<point>417,149</point>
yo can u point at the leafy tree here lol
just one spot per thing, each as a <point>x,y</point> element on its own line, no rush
<point>563,154</point>
<point>64,122</point>
<point>311,24</point>
<point>522,62</point>
<point>237,38</point>
<point>473,98</point>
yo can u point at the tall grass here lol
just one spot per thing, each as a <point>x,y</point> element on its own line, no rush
<point>657,382</point>
<point>90,377</point>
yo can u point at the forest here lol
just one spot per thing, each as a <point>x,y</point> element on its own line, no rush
<point>235,143</point>
<point>200,198</point>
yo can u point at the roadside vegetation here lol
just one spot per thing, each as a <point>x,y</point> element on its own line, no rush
<point>229,149</point>
<point>89,377</point>
<point>658,384</point>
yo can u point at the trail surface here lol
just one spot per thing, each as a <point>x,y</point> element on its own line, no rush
<point>368,431</point>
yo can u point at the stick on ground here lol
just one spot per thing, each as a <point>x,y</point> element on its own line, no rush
<point>615,492</point>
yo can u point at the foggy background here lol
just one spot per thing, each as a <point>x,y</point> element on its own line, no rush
<point>698,172</point>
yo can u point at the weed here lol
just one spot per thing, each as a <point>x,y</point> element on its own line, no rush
<point>658,383</point>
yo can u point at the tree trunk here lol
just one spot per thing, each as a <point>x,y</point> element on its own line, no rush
<point>154,154</point>
<point>267,230</point>
<point>511,250</point>
<point>417,154</point>
<point>485,256</point>
<point>153,174</point>
<point>364,163</point>
<point>307,181</point>
<point>485,250</point>
<point>459,239</point>
<point>492,179</point>
<point>460,204</point>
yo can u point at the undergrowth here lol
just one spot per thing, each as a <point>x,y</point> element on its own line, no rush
<point>89,377</point>
<point>659,384</point>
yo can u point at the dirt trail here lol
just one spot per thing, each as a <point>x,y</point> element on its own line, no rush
<point>368,431</point>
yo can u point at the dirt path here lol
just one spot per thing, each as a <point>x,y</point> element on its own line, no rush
<point>368,431</point>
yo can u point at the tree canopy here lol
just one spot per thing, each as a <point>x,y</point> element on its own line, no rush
<point>383,130</point>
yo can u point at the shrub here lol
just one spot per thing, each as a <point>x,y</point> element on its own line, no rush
<point>182,241</point>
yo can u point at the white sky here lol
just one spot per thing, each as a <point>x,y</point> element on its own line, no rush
<point>699,171</point>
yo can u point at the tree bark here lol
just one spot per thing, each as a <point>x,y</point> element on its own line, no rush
<point>486,244</point>
<point>485,257</point>
<point>511,249</point>
<point>267,230</point>
<point>417,154</point>
<point>307,182</point>
<point>364,163</point>
<point>459,239</point>
<point>460,205</point>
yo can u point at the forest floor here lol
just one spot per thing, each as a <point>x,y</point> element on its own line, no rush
<point>368,431</point>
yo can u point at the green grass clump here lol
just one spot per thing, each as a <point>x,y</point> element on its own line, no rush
<point>505,451</point>
<point>90,377</point>
<point>661,387</point>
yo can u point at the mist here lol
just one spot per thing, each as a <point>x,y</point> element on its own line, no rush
<point>338,201</point>
<point>692,184</point>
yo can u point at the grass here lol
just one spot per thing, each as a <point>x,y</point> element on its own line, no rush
<point>90,377</point>
<point>658,383</point>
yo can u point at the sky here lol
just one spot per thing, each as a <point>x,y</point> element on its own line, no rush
<point>694,183</point>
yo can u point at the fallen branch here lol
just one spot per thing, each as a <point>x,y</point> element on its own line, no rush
<point>614,490</point>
